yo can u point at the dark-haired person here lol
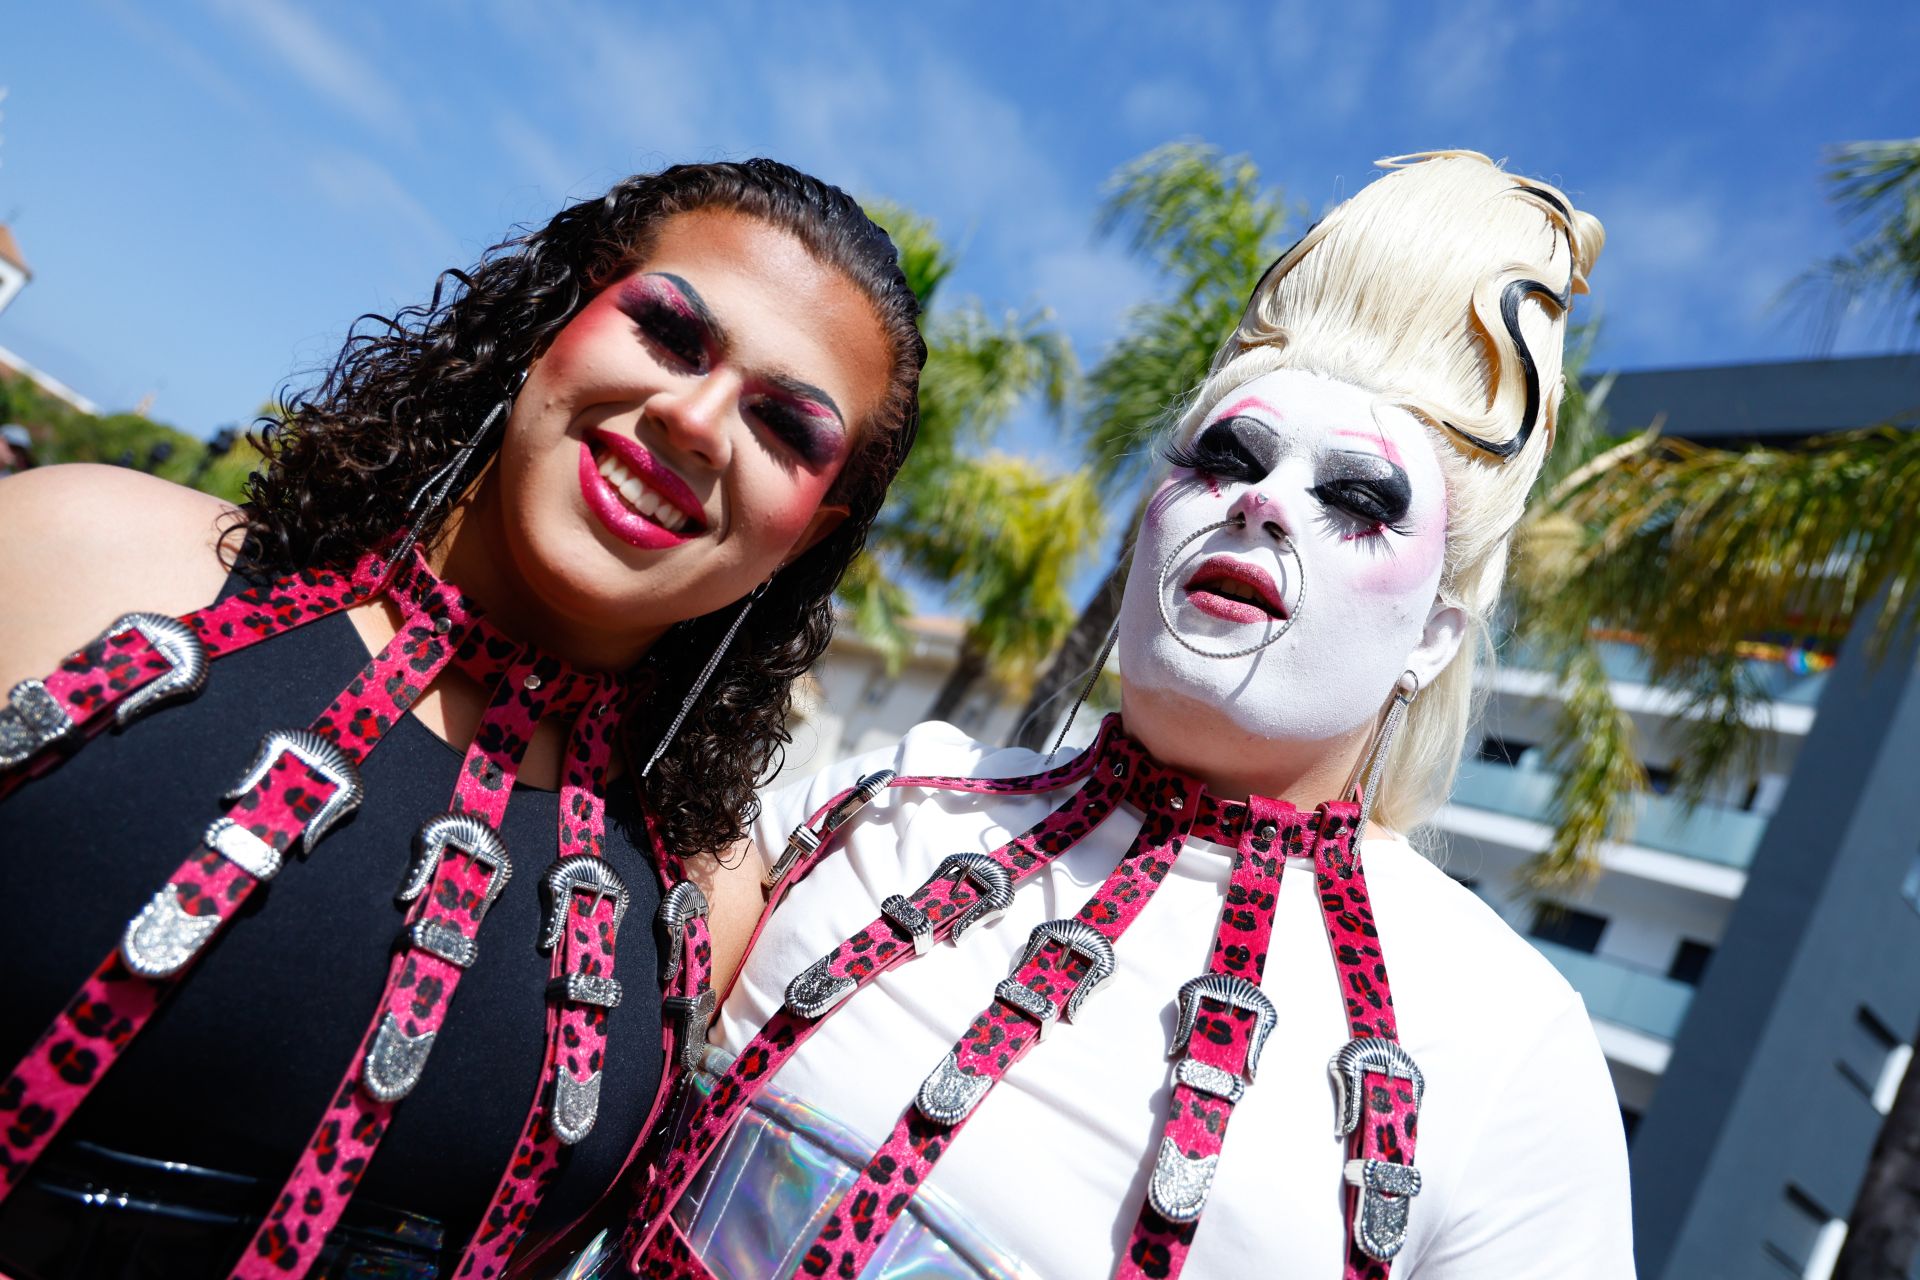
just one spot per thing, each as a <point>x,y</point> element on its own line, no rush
<point>1188,1002</point>
<point>557,542</point>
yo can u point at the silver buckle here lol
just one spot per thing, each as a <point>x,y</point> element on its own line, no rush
<point>177,643</point>
<point>1349,1069</point>
<point>325,758</point>
<point>806,839</point>
<point>582,873</point>
<point>32,721</point>
<point>989,879</point>
<point>1387,1189</point>
<point>696,1016</point>
<point>1181,1183</point>
<point>679,907</point>
<point>1237,993</point>
<point>1075,937</point>
<point>466,834</point>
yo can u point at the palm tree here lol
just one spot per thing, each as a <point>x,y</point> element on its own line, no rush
<point>1696,550</point>
<point>1210,228</point>
<point>1002,535</point>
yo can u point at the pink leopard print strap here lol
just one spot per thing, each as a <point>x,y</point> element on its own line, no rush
<point>114,1004</point>
<point>1224,1020</point>
<point>586,904</point>
<point>1063,963</point>
<point>947,904</point>
<point>1377,1085</point>
<point>460,867</point>
<point>300,785</point>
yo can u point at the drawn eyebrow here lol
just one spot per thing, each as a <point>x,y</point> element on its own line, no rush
<point>697,305</point>
<point>805,391</point>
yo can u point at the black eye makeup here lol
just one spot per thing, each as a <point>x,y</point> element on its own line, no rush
<point>1237,448</point>
<point>1366,487</point>
<point>665,313</point>
<point>812,433</point>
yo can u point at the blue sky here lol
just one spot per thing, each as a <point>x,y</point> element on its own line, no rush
<point>209,191</point>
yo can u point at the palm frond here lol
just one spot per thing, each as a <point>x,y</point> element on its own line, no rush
<point>1598,769</point>
<point>923,255</point>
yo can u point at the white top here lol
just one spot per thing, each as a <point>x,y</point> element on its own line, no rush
<point>1521,1151</point>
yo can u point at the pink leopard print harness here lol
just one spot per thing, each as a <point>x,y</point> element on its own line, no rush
<point>1224,1018</point>
<point>300,784</point>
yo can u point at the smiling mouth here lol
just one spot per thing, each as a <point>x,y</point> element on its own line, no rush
<point>1237,592</point>
<point>642,497</point>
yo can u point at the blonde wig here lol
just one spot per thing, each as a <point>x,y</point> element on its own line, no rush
<point>1442,288</point>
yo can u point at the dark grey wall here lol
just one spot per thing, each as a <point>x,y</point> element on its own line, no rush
<point>1753,1099</point>
<point>1780,402</point>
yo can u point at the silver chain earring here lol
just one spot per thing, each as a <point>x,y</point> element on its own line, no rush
<point>1166,571</point>
<point>706,674</point>
<point>1086,690</point>
<point>431,497</point>
<point>1374,763</point>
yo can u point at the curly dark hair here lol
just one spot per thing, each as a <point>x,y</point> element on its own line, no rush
<point>345,456</point>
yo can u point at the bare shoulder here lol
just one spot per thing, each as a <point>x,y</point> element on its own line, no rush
<point>82,544</point>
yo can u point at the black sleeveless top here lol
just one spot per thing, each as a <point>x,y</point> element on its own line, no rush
<point>235,1070</point>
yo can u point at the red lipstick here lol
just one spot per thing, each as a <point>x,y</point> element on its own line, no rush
<point>1239,581</point>
<point>613,511</point>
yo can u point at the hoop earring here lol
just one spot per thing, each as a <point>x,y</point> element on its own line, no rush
<point>1166,570</point>
<point>451,476</point>
<point>1374,763</point>
<point>706,674</point>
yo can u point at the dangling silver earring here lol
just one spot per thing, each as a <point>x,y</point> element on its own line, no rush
<point>1086,690</point>
<point>706,674</point>
<point>432,496</point>
<point>1374,763</point>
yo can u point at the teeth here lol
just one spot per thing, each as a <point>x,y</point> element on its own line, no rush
<point>640,497</point>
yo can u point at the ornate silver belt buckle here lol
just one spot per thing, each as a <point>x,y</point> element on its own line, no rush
<point>1181,1183</point>
<point>1075,937</point>
<point>1386,1187</point>
<point>175,641</point>
<point>680,906</point>
<point>32,721</point>
<point>164,936</point>
<point>583,873</point>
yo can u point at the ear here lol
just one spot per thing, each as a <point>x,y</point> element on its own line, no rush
<point>1446,630</point>
<point>824,522</point>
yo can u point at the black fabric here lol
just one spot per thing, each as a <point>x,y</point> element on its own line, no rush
<point>235,1071</point>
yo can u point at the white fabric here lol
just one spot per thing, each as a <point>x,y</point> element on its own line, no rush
<point>1520,1142</point>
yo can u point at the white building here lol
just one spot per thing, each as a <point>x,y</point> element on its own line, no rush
<point>13,268</point>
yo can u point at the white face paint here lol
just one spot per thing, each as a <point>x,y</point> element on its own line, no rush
<point>1359,492</point>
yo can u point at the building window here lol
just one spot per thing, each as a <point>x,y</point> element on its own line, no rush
<point>1502,750</point>
<point>1690,962</point>
<point>878,689</point>
<point>1797,1232</point>
<point>1872,1058</point>
<point>1577,930</point>
<point>1659,781</point>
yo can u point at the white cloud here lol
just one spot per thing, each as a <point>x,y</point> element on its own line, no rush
<point>327,66</point>
<point>557,174</point>
<point>1163,108</point>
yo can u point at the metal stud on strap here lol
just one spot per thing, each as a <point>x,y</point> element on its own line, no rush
<point>695,1014</point>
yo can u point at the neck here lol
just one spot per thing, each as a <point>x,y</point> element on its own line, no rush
<point>1234,763</point>
<point>472,552</point>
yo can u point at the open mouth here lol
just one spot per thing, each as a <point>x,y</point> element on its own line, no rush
<point>642,497</point>
<point>635,495</point>
<point>1235,591</point>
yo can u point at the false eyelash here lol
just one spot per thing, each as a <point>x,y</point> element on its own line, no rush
<point>1215,455</point>
<point>1362,502</point>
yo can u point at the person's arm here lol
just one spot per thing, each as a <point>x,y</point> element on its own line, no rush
<point>80,545</point>
<point>1544,1192</point>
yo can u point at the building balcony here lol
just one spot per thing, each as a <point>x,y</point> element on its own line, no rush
<point>1725,837</point>
<point>1642,1001</point>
